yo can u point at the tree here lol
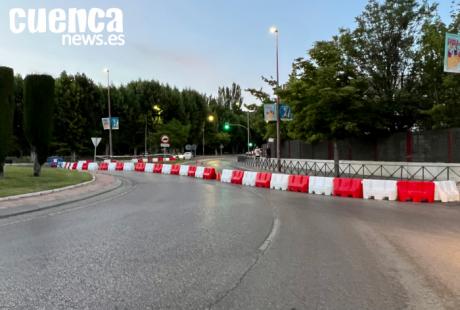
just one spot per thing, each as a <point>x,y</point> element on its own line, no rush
<point>177,133</point>
<point>6,112</point>
<point>325,95</point>
<point>382,48</point>
<point>38,116</point>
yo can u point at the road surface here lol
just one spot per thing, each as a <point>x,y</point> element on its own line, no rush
<point>169,242</point>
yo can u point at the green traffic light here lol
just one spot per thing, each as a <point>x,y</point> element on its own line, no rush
<point>226,126</point>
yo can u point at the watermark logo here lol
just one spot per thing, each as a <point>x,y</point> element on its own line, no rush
<point>77,27</point>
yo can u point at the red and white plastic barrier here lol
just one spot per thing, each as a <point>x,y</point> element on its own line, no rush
<point>183,170</point>
<point>199,172</point>
<point>446,191</point>
<point>166,169</point>
<point>279,181</point>
<point>249,178</point>
<point>321,185</point>
<point>380,189</point>
<point>226,176</point>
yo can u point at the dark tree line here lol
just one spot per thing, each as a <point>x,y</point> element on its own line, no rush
<point>141,106</point>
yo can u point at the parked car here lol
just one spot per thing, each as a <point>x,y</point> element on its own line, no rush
<point>188,155</point>
<point>53,161</point>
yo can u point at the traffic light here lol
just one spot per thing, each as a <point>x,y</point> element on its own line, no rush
<point>226,126</point>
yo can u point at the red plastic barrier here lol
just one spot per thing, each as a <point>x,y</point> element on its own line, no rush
<point>119,166</point>
<point>139,167</point>
<point>104,166</point>
<point>85,166</point>
<point>218,176</point>
<point>298,183</point>
<point>345,187</point>
<point>157,168</point>
<point>209,173</point>
<point>237,177</point>
<point>416,191</point>
<point>263,179</point>
<point>74,166</point>
<point>175,169</point>
<point>191,171</point>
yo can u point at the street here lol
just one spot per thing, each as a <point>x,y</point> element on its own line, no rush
<point>170,242</point>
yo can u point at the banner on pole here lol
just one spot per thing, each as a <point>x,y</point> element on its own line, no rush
<point>285,112</point>
<point>452,53</point>
<point>115,123</point>
<point>270,112</point>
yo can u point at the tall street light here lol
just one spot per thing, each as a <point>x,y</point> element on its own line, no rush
<point>106,70</point>
<point>210,119</point>
<point>275,31</point>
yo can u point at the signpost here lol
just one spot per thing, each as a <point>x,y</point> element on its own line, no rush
<point>96,141</point>
<point>164,142</point>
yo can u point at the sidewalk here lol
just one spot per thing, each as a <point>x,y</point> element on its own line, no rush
<point>102,184</point>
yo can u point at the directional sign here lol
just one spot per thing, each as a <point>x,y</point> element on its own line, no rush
<point>96,141</point>
<point>164,139</point>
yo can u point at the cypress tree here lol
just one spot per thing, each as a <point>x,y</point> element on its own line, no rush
<point>6,112</point>
<point>38,116</point>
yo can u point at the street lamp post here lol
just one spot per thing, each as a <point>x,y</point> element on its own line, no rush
<point>106,70</point>
<point>275,31</point>
<point>210,119</point>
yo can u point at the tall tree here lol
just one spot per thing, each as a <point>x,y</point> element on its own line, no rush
<point>6,112</point>
<point>326,97</point>
<point>382,47</point>
<point>38,116</point>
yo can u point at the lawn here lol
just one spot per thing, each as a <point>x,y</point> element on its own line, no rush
<point>20,180</point>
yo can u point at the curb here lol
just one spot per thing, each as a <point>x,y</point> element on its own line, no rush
<point>50,191</point>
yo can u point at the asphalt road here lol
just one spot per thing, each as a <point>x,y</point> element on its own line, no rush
<point>169,242</point>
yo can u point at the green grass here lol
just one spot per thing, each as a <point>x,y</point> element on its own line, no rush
<point>20,180</point>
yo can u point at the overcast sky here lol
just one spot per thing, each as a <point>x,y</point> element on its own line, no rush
<point>201,44</point>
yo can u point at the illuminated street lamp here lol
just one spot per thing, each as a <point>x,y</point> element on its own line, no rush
<point>274,30</point>
<point>210,119</point>
<point>106,70</point>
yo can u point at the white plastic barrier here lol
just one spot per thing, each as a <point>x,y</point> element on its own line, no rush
<point>149,167</point>
<point>380,189</point>
<point>183,170</point>
<point>199,172</point>
<point>321,185</point>
<point>63,165</point>
<point>279,181</point>
<point>165,158</point>
<point>134,160</point>
<point>446,191</point>
<point>80,164</point>
<point>166,169</point>
<point>155,160</point>
<point>226,176</point>
<point>112,167</point>
<point>93,166</point>
<point>249,178</point>
<point>128,166</point>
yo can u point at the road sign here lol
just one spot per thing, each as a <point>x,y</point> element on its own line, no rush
<point>96,141</point>
<point>164,144</point>
<point>164,139</point>
<point>188,147</point>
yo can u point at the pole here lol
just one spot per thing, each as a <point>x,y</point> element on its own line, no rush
<point>277,106</point>
<point>95,147</point>
<point>145,136</point>
<point>110,114</point>
<point>203,137</point>
<point>248,131</point>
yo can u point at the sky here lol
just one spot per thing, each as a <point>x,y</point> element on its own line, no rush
<point>199,44</point>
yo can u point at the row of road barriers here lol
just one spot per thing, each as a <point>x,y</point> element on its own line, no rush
<point>358,169</point>
<point>406,190</point>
